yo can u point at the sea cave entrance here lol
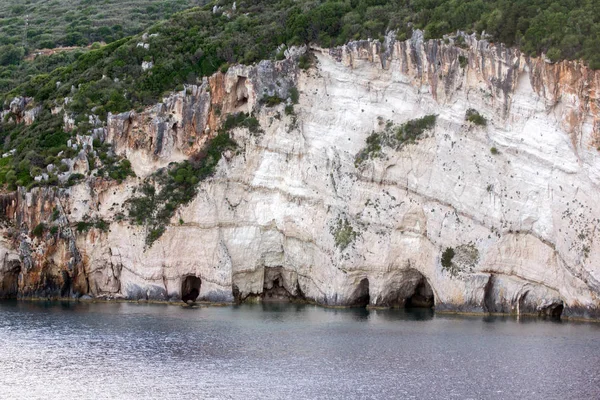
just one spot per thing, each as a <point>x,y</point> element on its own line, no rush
<point>361,296</point>
<point>274,287</point>
<point>410,290</point>
<point>553,311</point>
<point>190,289</point>
<point>422,295</point>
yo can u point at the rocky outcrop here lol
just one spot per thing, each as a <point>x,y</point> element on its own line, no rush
<point>291,216</point>
<point>21,110</point>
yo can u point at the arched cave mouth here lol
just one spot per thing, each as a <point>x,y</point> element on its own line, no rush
<point>422,296</point>
<point>361,296</point>
<point>495,302</point>
<point>553,311</point>
<point>274,290</point>
<point>190,289</point>
<point>411,290</point>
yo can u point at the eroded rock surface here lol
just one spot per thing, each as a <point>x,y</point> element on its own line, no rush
<point>522,222</point>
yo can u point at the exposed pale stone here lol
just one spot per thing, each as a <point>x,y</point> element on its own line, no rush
<point>523,223</point>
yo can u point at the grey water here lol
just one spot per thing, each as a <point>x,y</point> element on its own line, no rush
<point>148,351</point>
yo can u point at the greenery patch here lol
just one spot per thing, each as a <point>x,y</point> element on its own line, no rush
<point>39,229</point>
<point>166,190</point>
<point>394,137</point>
<point>474,117</point>
<point>447,257</point>
<point>343,233</point>
<point>86,225</point>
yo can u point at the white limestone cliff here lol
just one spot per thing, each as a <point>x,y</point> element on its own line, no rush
<point>523,223</point>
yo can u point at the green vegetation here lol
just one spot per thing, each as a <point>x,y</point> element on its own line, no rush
<point>494,151</point>
<point>447,257</point>
<point>86,225</point>
<point>460,260</point>
<point>26,26</point>
<point>473,116</point>
<point>394,137</point>
<point>38,231</point>
<point>199,42</point>
<point>37,24</point>
<point>271,101</point>
<point>36,146</point>
<point>294,95</point>
<point>164,191</point>
<point>243,120</point>
<point>343,234</point>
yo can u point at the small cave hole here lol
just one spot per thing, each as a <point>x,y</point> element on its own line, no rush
<point>241,92</point>
<point>274,289</point>
<point>9,284</point>
<point>422,296</point>
<point>553,311</point>
<point>190,289</point>
<point>361,297</point>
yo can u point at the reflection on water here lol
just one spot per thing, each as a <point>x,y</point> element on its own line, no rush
<point>281,351</point>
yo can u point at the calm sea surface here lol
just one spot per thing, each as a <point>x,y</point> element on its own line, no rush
<point>141,351</point>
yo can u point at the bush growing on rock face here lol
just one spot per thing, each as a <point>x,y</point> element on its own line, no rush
<point>447,257</point>
<point>39,229</point>
<point>243,120</point>
<point>86,225</point>
<point>83,226</point>
<point>271,101</point>
<point>177,186</point>
<point>74,179</point>
<point>343,234</point>
<point>294,95</point>
<point>394,137</point>
<point>304,62</point>
<point>474,117</point>
<point>494,151</point>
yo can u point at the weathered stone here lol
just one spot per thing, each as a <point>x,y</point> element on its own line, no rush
<point>522,223</point>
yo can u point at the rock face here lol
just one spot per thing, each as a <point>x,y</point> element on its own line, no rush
<point>445,220</point>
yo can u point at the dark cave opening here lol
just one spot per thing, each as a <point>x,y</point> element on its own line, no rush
<point>241,92</point>
<point>553,311</point>
<point>361,296</point>
<point>422,296</point>
<point>190,289</point>
<point>274,290</point>
<point>410,289</point>
<point>9,284</point>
